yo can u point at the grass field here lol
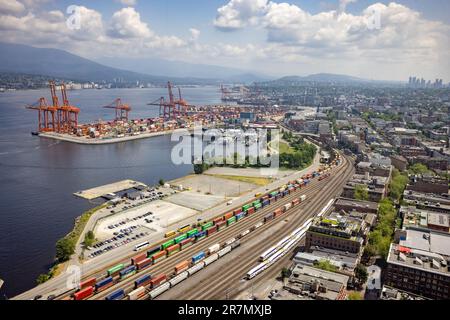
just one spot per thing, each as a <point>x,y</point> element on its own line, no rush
<point>285,148</point>
<point>259,181</point>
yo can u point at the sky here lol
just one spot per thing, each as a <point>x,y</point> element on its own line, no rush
<point>381,40</point>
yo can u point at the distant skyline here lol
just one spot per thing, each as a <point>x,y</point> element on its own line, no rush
<point>379,40</point>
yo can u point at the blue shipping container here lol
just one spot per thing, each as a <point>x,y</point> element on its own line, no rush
<point>285,193</point>
<point>103,282</point>
<point>200,234</point>
<point>119,294</point>
<point>266,203</point>
<point>240,216</point>
<point>127,270</point>
<point>142,280</point>
<point>198,257</point>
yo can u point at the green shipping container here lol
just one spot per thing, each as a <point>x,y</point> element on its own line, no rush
<point>168,244</point>
<point>181,238</point>
<point>115,269</point>
<point>128,275</point>
<point>246,207</point>
<point>192,232</point>
<point>231,220</point>
<point>207,226</point>
<point>257,206</point>
<point>256,202</point>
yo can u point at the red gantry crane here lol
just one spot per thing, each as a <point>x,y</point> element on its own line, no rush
<point>122,110</point>
<point>172,109</point>
<point>46,115</point>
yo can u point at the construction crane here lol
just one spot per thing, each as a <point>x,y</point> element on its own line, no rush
<point>172,109</point>
<point>122,110</point>
<point>46,115</point>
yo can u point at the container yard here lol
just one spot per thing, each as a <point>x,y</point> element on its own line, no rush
<point>59,119</point>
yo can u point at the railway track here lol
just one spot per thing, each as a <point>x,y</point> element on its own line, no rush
<point>218,289</point>
<point>167,265</point>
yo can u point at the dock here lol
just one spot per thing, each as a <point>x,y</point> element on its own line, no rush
<point>97,192</point>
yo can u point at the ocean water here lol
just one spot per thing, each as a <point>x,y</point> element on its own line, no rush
<point>39,176</point>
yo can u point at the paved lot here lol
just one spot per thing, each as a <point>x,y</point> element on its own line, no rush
<point>246,172</point>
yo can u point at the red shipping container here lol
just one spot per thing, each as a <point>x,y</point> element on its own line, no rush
<point>211,230</point>
<point>182,267</point>
<point>84,294</point>
<point>221,223</point>
<point>277,212</point>
<point>158,280</point>
<point>265,198</point>
<point>236,212</point>
<point>158,255</point>
<point>144,263</point>
<point>88,283</point>
<point>251,210</point>
<point>173,248</point>
<point>295,202</point>
<point>217,220</point>
<point>186,241</point>
<point>139,258</point>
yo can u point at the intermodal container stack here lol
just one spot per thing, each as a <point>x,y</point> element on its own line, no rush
<point>118,295</point>
<point>198,257</point>
<point>88,283</point>
<point>186,243</point>
<point>173,249</point>
<point>211,230</point>
<point>159,256</point>
<point>158,280</point>
<point>127,272</point>
<point>153,251</point>
<point>231,221</point>
<point>220,225</point>
<point>200,236</point>
<point>84,293</point>
<point>183,266</point>
<point>230,214</point>
<point>104,284</point>
<point>138,258</point>
<point>144,264</point>
<point>143,281</point>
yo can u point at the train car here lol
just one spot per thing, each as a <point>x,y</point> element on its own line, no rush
<point>231,221</point>
<point>192,233</point>
<point>184,229</point>
<point>182,266</point>
<point>84,293</point>
<point>157,281</point>
<point>269,217</point>
<point>256,270</point>
<point>114,271</point>
<point>295,202</point>
<point>254,203</point>
<point>179,278</point>
<point>186,243</point>
<point>213,248</point>
<point>242,215</point>
<point>265,203</point>
<point>235,244</point>
<point>303,198</point>
<point>144,264</point>
<point>266,197</point>
<point>181,238</point>
<point>214,257</point>
<point>273,194</point>
<point>259,194</point>
<point>153,251</point>
<point>127,272</point>
<point>221,225</point>
<point>88,283</point>
<point>229,215</point>
<point>139,258</point>
<point>285,193</point>
<point>257,206</point>
<point>199,266</point>
<point>243,234</point>
<point>217,220</point>
<point>249,211</point>
<point>173,249</point>
<point>143,281</point>
<point>224,251</point>
<point>198,257</point>
<point>207,226</point>
<point>104,284</point>
<point>246,207</point>
<point>159,256</point>
<point>211,230</point>
<point>229,242</point>
<point>236,212</point>
<point>170,234</point>
<point>167,244</point>
<point>200,236</point>
<point>117,295</point>
<point>160,290</point>
<point>137,293</point>
<point>277,213</point>
<point>287,206</point>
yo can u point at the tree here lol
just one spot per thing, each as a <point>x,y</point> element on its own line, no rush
<point>418,168</point>
<point>64,249</point>
<point>354,296</point>
<point>326,265</point>
<point>161,182</point>
<point>89,238</point>
<point>285,273</point>
<point>361,192</point>
<point>361,273</point>
<point>42,278</point>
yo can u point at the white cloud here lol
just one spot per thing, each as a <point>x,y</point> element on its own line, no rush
<point>128,3</point>
<point>239,13</point>
<point>127,23</point>
<point>13,7</point>
<point>195,34</point>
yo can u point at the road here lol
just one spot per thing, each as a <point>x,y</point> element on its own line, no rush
<point>96,266</point>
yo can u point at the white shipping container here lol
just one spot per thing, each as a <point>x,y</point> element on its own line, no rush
<point>259,225</point>
<point>196,268</point>
<point>214,248</point>
<point>211,259</point>
<point>303,198</point>
<point>136,294</point>
<point>230,241</point>
<point>224,251</point>
<point>160,290</point>
<point>181,277</point>
<point>246,232</point>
